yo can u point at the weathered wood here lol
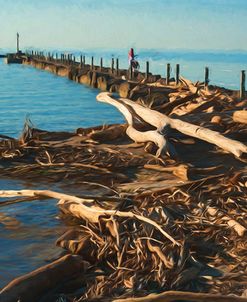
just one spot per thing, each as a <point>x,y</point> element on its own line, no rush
<point>177,73</point>
<point>168,73</point>
<point>101,64</point>
<point>137,136</point>
<point>78,208</point>
<point>32,286</point>
<point>112,65</point>
<point>161,121</point>
<point>242,85</point>
<point>172,296</point>
<point>117,67</point>
<point>147,70</point>
<point>240,116</point>
<point>92,63</point>
<point>206,81</point>
<point>168,107</point>
<point>125,88</point>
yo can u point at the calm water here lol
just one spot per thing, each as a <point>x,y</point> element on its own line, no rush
<point>28,231</point>
<point>51,102</point>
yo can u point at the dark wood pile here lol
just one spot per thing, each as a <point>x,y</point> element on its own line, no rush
<point>156,224</point>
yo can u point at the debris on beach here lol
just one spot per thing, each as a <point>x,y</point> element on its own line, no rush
<point>168,219</point>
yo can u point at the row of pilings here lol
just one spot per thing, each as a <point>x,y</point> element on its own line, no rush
<point>111,78</point>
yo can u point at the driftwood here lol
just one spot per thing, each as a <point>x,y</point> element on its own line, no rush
<point>161,121</point>
<point>173,296</point>
<point>240,116</point>
<point>78,208</point>
<point>32,286</point>
<point>137,136</point>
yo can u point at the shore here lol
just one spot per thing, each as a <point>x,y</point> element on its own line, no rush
<point>159,222</point>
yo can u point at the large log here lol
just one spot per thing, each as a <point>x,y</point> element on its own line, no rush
<point>172,296</point>
<point>30,287</point>
<point>137,136</point>
<point>161,121</point>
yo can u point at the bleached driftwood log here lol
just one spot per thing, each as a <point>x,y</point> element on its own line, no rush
<point>78,207</point>
<point>137,136</point>
<point>161,121</point>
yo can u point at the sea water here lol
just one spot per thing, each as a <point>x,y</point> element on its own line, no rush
<point>28,230</point>
<point>51,102</point>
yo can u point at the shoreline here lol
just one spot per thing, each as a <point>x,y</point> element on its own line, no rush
<point>153,211</point>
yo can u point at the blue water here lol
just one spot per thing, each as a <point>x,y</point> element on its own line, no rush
<point>51,102</point>
<point>28,232</point>
<point>55,103</point>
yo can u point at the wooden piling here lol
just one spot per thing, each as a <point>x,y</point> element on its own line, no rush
<point>147,70</point>
<point>130,72</point>
<point>206,81</point>
<point>92,63</point>
<point>101,64</point>
<point>177,73</point>
<point>117,66</point>
<point>112,65</point>
<point>168,73</point>
<point>242,85</point>
<point>84,60</point>
<point>81,61</point>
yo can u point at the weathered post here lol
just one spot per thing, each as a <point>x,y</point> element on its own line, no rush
<point>101,64</point>
<point>81,61</point>
<point>56,56</point>
<point>74,60</point>
<point>130,72</point>
<point>117,66</point>
<point>177,73</point>
<point>17,43</point>
<point>168,73</point>
<point>242,85</point>
<point>84,60</point>
<point>206,81</point>
<point>147,70</point>
<point>112,65</point>
<point>92,63</point>
<point>32,52</point>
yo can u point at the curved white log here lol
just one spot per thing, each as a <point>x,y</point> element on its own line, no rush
<point>137,136</point>
<point>160,120</point>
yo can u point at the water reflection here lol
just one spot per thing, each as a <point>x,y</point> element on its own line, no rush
<point>28,232</point>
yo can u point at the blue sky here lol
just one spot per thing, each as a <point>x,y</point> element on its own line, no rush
<point>166,24</point>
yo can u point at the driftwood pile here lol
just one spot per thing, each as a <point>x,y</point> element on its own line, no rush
<point>161,210</point>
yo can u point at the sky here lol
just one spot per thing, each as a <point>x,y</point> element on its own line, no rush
<point>152,24</point>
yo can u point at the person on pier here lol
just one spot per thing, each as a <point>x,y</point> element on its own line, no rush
<point>133,63</point>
